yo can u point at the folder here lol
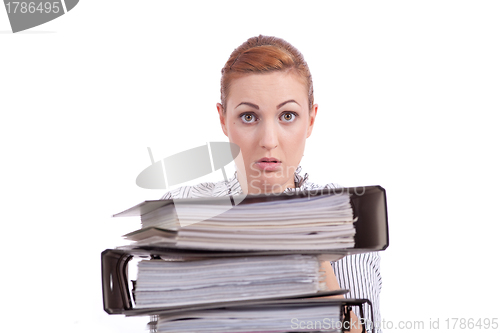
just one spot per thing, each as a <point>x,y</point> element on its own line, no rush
<point>368,203</point>
<point>370,210</point>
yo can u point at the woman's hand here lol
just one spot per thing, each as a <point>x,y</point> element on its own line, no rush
<point>333,284</point>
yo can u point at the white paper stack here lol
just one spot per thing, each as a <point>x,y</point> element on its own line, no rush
<point>284,318</point>
<point>162,283</point>
<point>310,223</point>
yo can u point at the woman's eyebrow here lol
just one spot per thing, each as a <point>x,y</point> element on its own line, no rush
<point>249,104</point>
<point>289,101</point>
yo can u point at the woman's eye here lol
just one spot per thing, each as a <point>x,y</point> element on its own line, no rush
<point>288,116</point>
<point>247,118</point>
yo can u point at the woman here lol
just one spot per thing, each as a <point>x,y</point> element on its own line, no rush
<point>267,108</point>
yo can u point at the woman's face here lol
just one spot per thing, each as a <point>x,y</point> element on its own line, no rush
<point>268,117</point>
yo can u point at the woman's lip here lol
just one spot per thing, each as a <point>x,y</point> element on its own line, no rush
<point>268,166</point>
<point>268,159</point>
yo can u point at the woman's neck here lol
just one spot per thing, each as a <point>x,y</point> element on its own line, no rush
<point>259,187</point>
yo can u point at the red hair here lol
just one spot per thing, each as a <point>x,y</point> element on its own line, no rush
<point>264,54</point>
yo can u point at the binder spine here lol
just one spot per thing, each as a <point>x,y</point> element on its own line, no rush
<point>115,291</point>
<point>347,305</point>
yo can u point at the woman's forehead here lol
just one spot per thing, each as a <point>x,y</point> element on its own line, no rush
<point>274,87</point>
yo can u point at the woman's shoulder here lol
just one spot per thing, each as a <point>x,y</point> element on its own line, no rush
<point>303,183</point>
<point>313,186</point>
<point>207,189</point>
<point>310,186</point>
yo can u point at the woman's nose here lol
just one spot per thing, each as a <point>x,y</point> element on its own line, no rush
<point>269,135</point>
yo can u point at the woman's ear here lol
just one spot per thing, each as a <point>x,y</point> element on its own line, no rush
<point>312,118</point>
<point>222,118</point>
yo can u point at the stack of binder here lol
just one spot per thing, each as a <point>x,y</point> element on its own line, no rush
<point>252,268</point>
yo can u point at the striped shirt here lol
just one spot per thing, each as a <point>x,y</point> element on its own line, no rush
<point>360,273</point>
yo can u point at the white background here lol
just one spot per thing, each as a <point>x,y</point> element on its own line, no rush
<point>408,96</point>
